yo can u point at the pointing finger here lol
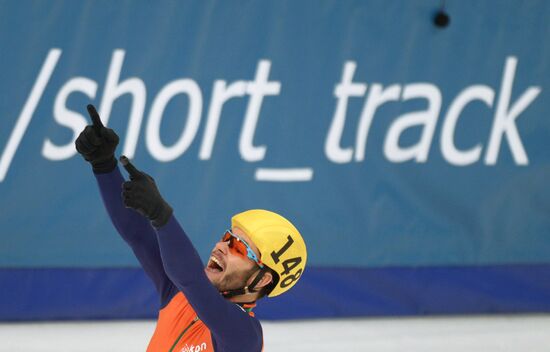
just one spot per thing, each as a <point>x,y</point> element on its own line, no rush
<point>132,171</point>
<point>96,121</point>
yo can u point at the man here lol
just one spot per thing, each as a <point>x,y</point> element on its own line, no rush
<point>202,308</point>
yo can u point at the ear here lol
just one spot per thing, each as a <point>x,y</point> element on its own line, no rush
<point>265,280</point>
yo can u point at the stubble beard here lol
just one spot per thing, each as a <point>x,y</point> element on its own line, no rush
<point>233,281</point>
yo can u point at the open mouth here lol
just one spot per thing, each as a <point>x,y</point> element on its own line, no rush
<point>215,265</point>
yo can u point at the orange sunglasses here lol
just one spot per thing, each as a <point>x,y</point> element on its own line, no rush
<point>239,246</point>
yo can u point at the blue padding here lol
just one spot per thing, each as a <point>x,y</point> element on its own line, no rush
<point>51,294</point>
<point>125,293</point>
<point>328,292</point>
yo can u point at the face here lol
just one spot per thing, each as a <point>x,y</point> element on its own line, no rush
<point>227,269</point>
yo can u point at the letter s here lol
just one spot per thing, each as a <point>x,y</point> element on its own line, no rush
<point>65,117</point>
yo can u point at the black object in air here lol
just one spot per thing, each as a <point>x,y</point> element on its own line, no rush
<point>441,19</point>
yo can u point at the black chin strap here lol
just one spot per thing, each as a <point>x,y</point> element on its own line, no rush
<point>247,289</point>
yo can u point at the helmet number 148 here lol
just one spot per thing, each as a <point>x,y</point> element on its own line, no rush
<point>288,264</point>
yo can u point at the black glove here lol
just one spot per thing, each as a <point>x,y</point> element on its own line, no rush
<point>97,144</point>
<point>141,194</point>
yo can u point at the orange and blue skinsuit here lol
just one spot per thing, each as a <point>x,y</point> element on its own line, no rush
<point>193,315</point>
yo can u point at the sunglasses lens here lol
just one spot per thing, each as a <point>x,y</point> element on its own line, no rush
<point>234,244</point>
<point>226,237</point>
<point>238,246</point>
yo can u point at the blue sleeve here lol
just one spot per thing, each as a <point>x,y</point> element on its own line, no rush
<point>137,231</point>
<point>231,327</point>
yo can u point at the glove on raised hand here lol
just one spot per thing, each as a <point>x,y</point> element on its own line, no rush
<point>97,144</point>
<point>141,194</point>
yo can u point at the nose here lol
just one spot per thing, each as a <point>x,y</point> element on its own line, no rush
<point>222,247</point>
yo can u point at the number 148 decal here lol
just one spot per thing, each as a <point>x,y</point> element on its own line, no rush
<point>288,264</point>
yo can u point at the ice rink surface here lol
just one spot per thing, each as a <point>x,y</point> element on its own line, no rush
<point>525,333</point>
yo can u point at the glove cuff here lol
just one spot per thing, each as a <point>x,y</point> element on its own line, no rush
<point>163,214</point>
<point>105,166</point>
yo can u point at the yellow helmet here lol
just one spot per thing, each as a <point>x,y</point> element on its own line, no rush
<point>281,246</point>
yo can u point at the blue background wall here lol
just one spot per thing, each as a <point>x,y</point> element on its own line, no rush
<point>422,234</point>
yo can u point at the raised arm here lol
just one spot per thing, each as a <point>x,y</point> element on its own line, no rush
<point>136,231</point>
<point>233,329</point>
<point>97,145</point>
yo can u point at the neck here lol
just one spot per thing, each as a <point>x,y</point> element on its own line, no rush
<point>242,295</point>
<point>246,298</point>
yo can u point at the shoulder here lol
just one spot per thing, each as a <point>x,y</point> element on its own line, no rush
<point>253,344</point>
<point>254,340</point>
<point>244,334</point>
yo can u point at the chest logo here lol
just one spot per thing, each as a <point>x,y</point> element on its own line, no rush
<point>193,348</point>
